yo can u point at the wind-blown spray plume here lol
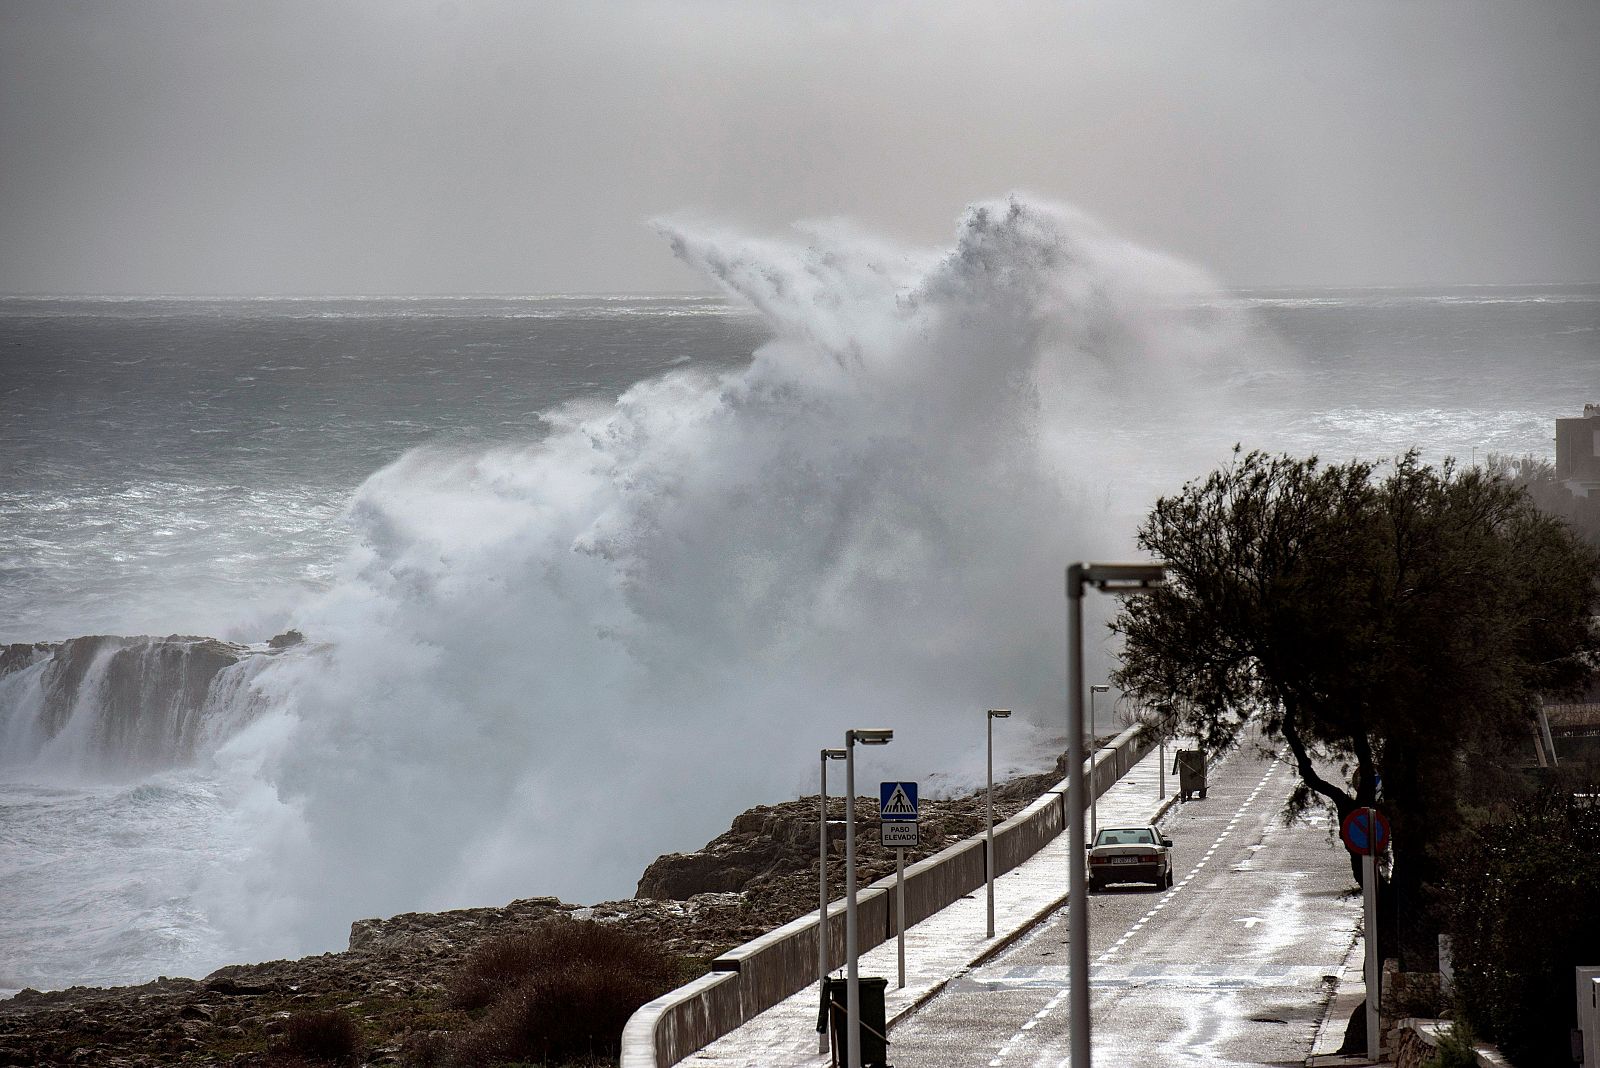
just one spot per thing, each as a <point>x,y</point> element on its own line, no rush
<point>544,665</point>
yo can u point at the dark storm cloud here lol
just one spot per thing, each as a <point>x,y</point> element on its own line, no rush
<point>517,147</point>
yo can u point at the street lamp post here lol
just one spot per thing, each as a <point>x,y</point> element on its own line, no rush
<point>1109,578</point>
<point>1094,738</point>
<point>822,890</point>
<point>988,809</point>
<point>852,1003</point>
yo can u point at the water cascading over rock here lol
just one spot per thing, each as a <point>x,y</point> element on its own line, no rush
<point>114,707</point>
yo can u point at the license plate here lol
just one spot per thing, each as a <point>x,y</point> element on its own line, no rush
<point>1125,860</point>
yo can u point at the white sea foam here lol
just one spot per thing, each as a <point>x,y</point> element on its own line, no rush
<point>546,664</point>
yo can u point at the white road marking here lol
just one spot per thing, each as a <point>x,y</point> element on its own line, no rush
<point>1004,1051</point>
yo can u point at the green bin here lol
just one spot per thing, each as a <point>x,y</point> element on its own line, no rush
<point>874,1030</point>
<point>1190,764</point>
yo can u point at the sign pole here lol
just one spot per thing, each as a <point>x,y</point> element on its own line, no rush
<point>1369,885</point>
<point>822,900</point>
<point>898,828</point>
<point>1366,833</point>
<point>852,992</point>
<point>900,909</point>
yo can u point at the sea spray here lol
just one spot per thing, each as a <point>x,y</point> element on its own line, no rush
<point>545,664</point>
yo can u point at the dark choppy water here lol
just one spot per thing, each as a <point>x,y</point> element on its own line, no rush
<point>173,466</point>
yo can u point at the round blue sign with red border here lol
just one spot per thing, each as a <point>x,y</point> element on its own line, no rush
<point>1357,832</point>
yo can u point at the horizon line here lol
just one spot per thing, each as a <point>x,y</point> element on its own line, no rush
<point>665,294</point>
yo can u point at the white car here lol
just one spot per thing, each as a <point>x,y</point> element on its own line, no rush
<point>1130,855</point>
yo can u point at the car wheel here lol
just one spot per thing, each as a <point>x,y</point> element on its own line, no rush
<point>1169,878</point>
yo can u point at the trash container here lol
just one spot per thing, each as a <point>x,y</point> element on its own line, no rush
<point>1190,766</point>
<point>874,1032</point>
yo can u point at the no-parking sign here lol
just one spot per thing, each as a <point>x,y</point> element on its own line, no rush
<point>1361,835</point>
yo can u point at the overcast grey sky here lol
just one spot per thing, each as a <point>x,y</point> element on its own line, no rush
<point>414,146</point>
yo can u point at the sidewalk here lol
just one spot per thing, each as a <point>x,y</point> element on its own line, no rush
<point>945,945</point>
<point>1349,992</point>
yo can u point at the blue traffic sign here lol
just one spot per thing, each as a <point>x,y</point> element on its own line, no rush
<point>897,801</point>
<point>1359,833</point>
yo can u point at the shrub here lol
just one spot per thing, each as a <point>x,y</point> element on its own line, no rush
<point>331,1037</point>
<point>1521,905</point>
<point>561,992</point>
<point>426,1049</point>
<point>1456,1049</point>
<point>495,967</point>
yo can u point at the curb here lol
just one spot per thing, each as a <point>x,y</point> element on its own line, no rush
<point>1341,1002</point>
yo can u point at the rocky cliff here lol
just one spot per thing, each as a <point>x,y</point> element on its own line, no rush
<point>108,703</point>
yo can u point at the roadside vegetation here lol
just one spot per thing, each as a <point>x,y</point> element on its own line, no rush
<point>1522,907</point>
<point>1457,1049</point>
<point>557,995</point>
<point>1395,627</point>
<point>1537,477</point>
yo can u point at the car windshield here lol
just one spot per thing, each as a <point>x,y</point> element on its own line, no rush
<point>1125,836</point>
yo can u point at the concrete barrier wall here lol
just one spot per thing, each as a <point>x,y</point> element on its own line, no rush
<point>752,978</point>
<point>784,961</point>
<point>1417,1040</point>
<point>745,982</point>
<point>671,1027</point>
<point>1024,834</point>
<point>934,882</point>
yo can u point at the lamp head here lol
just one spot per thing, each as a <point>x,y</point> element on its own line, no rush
<point>999,713</point>
<point>869,736</point>
<point>1100,687</point>
<point>1116,578</point>
<point>833,754</point>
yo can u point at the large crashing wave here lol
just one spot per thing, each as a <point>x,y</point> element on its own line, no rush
<point>545,665</point>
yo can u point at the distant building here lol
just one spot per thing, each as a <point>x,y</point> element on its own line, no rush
<point>1578,451</point>
<point>1575,726</point>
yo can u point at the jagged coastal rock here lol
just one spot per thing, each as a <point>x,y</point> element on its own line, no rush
<point>769,854</point>
<point>151,702</point>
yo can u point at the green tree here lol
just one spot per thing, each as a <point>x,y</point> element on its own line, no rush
<point>1392,623</point>
<point>1520,903</point>
<point>1550,493</point>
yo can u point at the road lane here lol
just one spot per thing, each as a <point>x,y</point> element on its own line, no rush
<point>1227,967</point>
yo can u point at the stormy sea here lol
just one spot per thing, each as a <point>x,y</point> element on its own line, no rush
<point>447,601</point>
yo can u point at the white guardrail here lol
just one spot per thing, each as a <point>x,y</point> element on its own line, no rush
<point>749,979</point>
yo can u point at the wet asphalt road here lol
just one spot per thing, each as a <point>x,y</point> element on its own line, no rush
<point>1228,967</point>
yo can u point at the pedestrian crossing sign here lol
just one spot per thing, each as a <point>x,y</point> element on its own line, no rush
<point>897,801</point>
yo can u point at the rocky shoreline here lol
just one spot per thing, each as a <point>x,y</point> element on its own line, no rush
<point>394,976</point>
